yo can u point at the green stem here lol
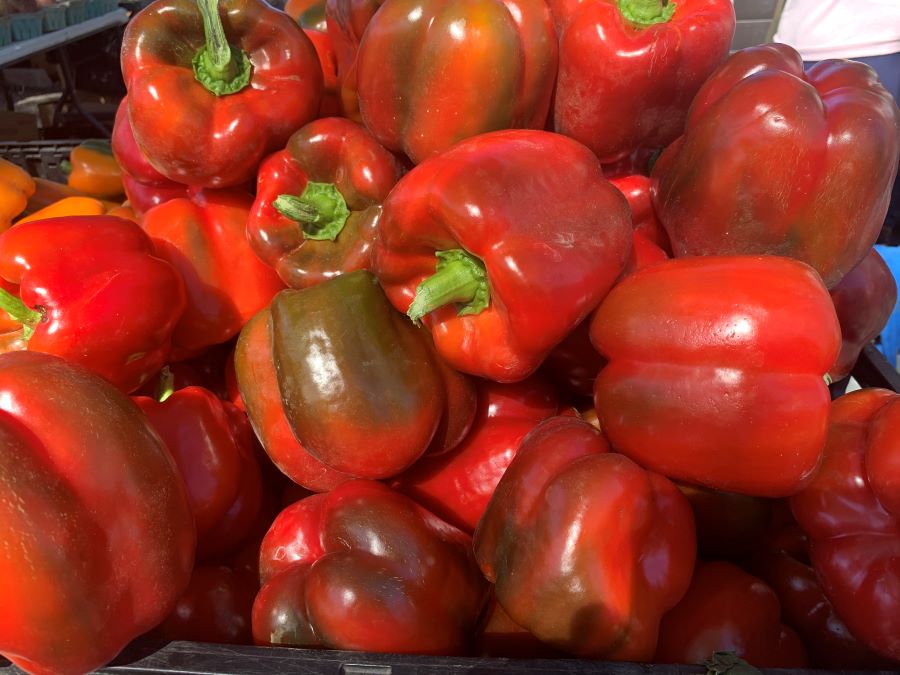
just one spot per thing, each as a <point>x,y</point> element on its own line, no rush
<point>646,12</point>
<point>460,278</point>
<point>218,66</point>
<point>19,311</point>
<point>166,384</point>
<point>321,210</point>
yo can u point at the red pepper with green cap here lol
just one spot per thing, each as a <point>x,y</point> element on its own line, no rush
<point>501,246</point>
<point>318,201</point>
<point>640,61</point>
<point>215,86</point>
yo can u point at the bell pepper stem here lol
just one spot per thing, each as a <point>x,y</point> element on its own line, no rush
<point>459,278</point>
<point>646,12</point>
<point>19,311</point>
<point>166,384</point>
<point>321,210</point>
<point>218,66</point>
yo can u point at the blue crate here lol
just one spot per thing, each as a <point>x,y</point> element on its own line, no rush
<point>26,26</point>
<point>75,12</point>
<point>5,31</point>
<point>890,336</point>
<point>53,18</point>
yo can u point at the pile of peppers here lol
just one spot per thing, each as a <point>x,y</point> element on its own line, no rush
<point>482,328</point>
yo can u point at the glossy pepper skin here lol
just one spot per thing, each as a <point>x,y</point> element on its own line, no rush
<point>16,188</point>
<point>78,280</point>
<point>421,75</point>
<point>851,514</point>
<point>688,365</point>
<point>340,221</point>
<point>863,300</point>
<point>457,486</point>
<point>213,446</point>
<point>87,567</point>
<point>366,568</point>
<point>825,142</point>
<point>629,69</point>
<point>257,381</point>
<point>361,387</point>
<point>530,210</point>
<point>95,171</point>
<point>144,186</point>
<point>204,238</point>
<point>346,22</point>
<point>587,549</point>
<point>805,608</point>
<point>188,133</point>
<point>728,610</point>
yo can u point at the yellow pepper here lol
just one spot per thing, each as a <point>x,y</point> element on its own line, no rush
<point>69,206</point>
<point>95,171</point>
<point>16,187</point>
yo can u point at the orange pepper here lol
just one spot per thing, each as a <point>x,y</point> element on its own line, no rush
<point>16,186</point>
<point>69,206</point>
<point>123,211</point>
<point>95,171</point>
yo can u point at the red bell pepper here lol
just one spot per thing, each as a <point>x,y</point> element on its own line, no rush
<point>216,607</point>
<point>587,550</point>
<point>777,161</point>
<point>458,485</point>
<point>204,238</point>
<point>851,514</point>
<point>628,69</point>
<point>346,21</point>
<point>503,637</point>
<point>863,300</point>
<point>258,384</point>
<point>213,87</point>
<point>699,347</point>
<point>728,610</point>
<point>362,388</point>
<point>318,201</point>
<point>216,458</point>
<point>97,531</point>
<point>519,261</point>
<point>331,95</point>
<point>729,525</point>
<point>365,568</point>
<point>805,607</point>
<point>423,77</point>
<point>145,187</point>
<point>93,291</point>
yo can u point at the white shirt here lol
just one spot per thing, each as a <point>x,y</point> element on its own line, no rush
<point>833,29</point>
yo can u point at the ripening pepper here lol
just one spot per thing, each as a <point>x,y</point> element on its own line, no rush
<point>214,86</point>
<point>204,237</point>
<point>628,69</point>
<point>431,73</point>
<point>851,514</point>
<point>362,388</point>
<point>98,535</point>
<point>94,170</point>
<point>863,299</point>
<point>318,202</point>
<point>727,610</point>
<point>215,456</point>
<point>16,187</point>
<point>501,246</point>
<point>699,347</point>
<point>92,290</point>
<point>586,548</point>
<point>366,568</point>
<point>777,161</point>
<point>458,485</point>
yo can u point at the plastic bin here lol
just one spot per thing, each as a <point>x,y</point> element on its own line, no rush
<point>39,158</point>
<point>53,18</point>
<point>5,31</point>
<point>890,336</point>
<point>26,26</point>
<point>94,8</point>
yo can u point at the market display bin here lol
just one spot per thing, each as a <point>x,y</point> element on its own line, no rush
<point>147,656</point>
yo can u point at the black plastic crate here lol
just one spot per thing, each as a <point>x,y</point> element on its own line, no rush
<point>39,158</point>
